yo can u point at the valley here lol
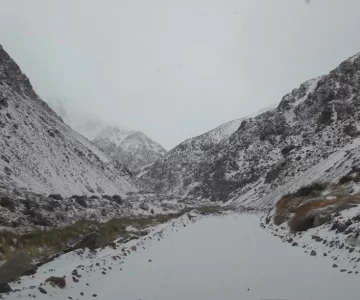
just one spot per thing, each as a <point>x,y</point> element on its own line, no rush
<point>261,207</point>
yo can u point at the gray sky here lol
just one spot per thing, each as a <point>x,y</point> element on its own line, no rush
<point>176,68</point>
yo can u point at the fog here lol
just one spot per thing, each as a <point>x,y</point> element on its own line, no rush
<point>175,69</point>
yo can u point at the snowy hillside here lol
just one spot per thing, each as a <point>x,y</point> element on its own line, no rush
<point>133,149</point>
<point>41,153</point>
<point>311,135</point>
<point>167,174</point>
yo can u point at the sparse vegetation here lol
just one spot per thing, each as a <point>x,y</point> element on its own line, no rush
<point>307,207</point>
<point>305,214</point>
<point>41,243</point>
<point>309,190</point>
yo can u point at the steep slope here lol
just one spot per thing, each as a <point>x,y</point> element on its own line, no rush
<point>131,148</point>
<point>311,135</point>
<point>41,153</point>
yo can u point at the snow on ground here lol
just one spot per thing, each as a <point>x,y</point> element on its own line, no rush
<point>218,257</point>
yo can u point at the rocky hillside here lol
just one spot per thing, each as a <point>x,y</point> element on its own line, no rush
<point>133,149</point>
<point>135,152</point>
<point>170,174</point>
<point>42,154</point>
<point>311,135</point>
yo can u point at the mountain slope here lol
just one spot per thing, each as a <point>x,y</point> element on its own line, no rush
<point>131,148</point>
<point>311,135</point>
<point>170,173</point>
<point>43,154</point>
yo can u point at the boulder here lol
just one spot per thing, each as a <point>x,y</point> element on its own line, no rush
<point>321,219</point>
<point>91,241</point>
<point>56,281</point>
<point>20,264</point>
<point>5,288</point>
<point>144,206</point>
<point>42,290</point>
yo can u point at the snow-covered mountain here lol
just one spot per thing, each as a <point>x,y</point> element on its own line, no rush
<point>311,135</point>
<point>131,148</point>
<point>169,173</point>
<point>39,152</point>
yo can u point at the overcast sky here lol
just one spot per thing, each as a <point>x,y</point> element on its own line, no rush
<point>176,68</point>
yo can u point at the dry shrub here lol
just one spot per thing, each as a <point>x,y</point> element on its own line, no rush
<point>286,205</point>
<point>305,214</point>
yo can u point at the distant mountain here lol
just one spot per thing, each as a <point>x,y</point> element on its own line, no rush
<point>170,174</point>
<point>40,153</point>
<point>312,135</point>
<point>131,148</point>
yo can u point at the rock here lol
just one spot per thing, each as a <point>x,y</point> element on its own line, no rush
<point>5,288</point>
<point>42,290</point>
<point>20,264</point>
<point>321,219</point>
<point>334,265</point>
<point>313,253</point>
<point>56,281</point>
<point>91,241</point>
<point>144,206</point>
<point>294,244</point>
<point>343,270</point>
<point>94,295</point>
<point>56,197</point>
<point>286,150</point>
<point>325,254</point>
<point>75,279</point>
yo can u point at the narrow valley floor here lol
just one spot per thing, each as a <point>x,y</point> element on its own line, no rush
<point>217,257</point>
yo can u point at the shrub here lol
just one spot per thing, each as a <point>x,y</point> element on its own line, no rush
<point>117,199</point>
<point>8,203</point>
<point>107,197</point>
<point>56,197</point>
<point>81,201</point>
<point>306,191</point>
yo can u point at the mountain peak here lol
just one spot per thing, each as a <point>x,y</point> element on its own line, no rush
<point>132,148</point>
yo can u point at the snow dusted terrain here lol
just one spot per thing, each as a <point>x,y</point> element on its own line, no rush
<point>218,257</point>
<point>307,137</point>
<point>132,149</point>
<point>42,154</point>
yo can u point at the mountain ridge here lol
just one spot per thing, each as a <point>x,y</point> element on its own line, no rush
<point>110,137</point>
<point>41,153</point>
<point>310,124</point>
